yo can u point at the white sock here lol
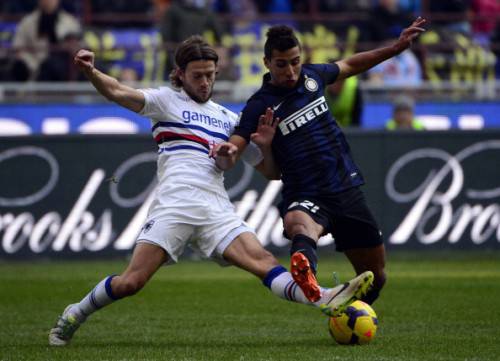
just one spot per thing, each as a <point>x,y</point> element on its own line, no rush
<point>285,287</point>
<point>99,297</point>
<point>281,283</point>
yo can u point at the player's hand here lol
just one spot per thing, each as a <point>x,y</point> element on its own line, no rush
<point>411,33</point>
<point>224,149</point>
<point>266,129</point>
<point>84,60</point>
<point>224,154</point>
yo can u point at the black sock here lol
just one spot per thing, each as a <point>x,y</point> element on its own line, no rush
<point>306,246</point>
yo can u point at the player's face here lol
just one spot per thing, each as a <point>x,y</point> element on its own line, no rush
<point>285,67</point>
<point>198,79</point>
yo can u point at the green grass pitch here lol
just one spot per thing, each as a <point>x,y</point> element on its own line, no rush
<point>443,306</point>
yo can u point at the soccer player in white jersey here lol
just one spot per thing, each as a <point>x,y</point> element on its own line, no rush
<point>191,205</point>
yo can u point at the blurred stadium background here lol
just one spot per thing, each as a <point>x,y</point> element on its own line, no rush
<point>76,175</point>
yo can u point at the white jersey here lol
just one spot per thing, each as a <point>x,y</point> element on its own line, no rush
<point>184,131</point>
<point>191,205</point>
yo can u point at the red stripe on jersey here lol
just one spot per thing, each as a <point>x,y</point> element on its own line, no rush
<point>166,136</point>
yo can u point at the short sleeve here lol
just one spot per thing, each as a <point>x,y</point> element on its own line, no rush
<point>252,154</point>
<point>328,72</point>
<point>249,118</point>
<point>154,104</point>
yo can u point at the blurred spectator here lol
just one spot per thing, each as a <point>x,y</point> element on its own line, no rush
<point>39,32</point>
<point>485,18</point>
<point>184,18</point>
<point>59,64</point>
<point>344,98</point>
<point>403,116</point>
<point>189,17</point>
<point>401,70</point>
<point>451,14</point>
<point>388,20</point>
<point>128,76</point>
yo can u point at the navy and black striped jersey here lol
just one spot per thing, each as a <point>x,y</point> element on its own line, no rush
<point>309,146</point>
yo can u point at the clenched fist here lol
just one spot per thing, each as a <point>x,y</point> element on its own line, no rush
<point>84,60</point>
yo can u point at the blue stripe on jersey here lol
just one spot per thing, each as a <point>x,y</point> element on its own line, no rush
<point>189,126</point>
<point>177,147</point>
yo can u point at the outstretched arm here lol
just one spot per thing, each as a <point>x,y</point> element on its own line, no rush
<point>361,62</point>
<point>109,87</point>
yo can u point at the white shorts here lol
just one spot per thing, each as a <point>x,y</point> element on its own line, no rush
<point>184,215</point>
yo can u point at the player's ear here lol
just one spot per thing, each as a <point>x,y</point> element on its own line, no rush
<point>181,74</point>
<point>267,62</point>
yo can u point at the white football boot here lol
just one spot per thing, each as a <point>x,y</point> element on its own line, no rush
<point>335,300</point>
<point>65,327</point>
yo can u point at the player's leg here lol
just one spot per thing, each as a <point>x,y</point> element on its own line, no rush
<point>370,259</point>
<point>304,232</point>
<point>357,234</point>
<point>246,252</point>
<point>146,260</point>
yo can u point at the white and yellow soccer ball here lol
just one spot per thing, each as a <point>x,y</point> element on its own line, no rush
<point>356,326</point>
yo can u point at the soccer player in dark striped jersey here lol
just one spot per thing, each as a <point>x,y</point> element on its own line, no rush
<point>303,145</point>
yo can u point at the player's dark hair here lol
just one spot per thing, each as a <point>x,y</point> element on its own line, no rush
<point>281,38</point>
<point>192,49</point>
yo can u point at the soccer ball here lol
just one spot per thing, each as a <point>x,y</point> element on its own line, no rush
<point>357,325</point>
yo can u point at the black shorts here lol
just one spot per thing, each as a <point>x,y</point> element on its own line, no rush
<point>345,215</point>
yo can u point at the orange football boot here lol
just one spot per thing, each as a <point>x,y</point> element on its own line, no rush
<point>302,274</point>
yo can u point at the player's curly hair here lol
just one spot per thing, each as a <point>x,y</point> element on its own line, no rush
<point>192,49</point>
<point>281,38</point>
